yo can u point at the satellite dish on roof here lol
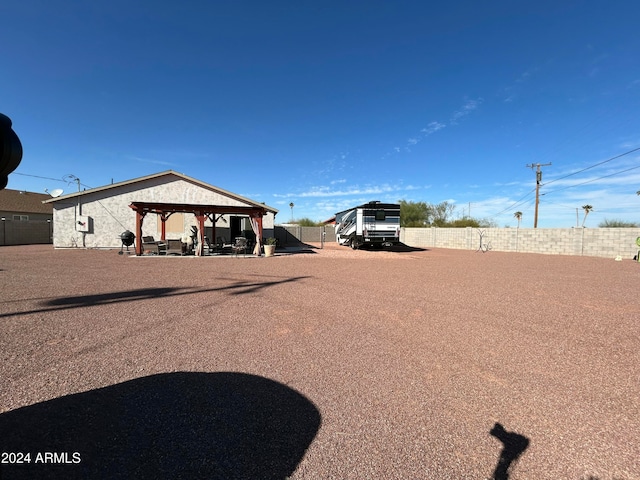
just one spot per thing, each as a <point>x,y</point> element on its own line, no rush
<point>55,193</point>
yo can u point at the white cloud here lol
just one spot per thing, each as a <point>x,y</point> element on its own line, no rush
<point>524,76</point>
<point>432,127</point>
<point>511,92</point>
<point>328,191</point>
<point>355,190</point>
<point>466,109</point>
<point>150,160</point>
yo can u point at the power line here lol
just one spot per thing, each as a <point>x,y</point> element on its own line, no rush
<point>516,204</point>
<point>592,180</point>
<point>593,166</point>
<point>68,181</point>
<point>37,176</point>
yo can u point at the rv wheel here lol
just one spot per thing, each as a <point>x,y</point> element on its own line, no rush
<point>354,243</point>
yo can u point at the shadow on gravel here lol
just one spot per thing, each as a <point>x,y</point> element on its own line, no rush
<point>64,303</point>
<point>514,446</point>
<point>171,425</point>
<point>293,249</point>
<point>401,247</point>
<point>112,297</point>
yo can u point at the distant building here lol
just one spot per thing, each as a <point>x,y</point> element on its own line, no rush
<point>24,218</point>
<point>21,206</point>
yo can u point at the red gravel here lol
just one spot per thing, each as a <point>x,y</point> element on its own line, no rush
<point>410,357</point>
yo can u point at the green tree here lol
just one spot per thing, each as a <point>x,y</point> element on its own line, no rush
<point>441,213</point>
<point>414,214</point>
<point>306,222</point>
<point>617,224</point>
<point>487,223</point>
<point>462,223</point>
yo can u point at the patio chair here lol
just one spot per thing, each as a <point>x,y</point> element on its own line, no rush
<point>153,247</point>
<point>175,247</point>
<point>240,245</point>
<point>210,247</point>
<point>221,244</point>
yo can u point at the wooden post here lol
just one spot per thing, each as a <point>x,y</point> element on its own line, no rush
<point>163,234</point>
<point>139,219</point>
<point>260,226</point>
<point>200,216</point>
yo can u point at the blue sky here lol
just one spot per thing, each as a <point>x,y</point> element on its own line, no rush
<point>329,104</point>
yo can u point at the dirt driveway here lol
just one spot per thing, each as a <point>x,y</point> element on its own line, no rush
<point>321,364</point>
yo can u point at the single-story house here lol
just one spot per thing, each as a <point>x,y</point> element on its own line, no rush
<point>25,218</point>
<point>164,205</point>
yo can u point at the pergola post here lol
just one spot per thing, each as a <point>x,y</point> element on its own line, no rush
<point>163,231</point>
<point>200,216</point>
<point>139,219</point>
<point>260,227</point>
<point>258,218</point>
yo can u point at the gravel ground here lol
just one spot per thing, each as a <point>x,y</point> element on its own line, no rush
<point>319,364</point>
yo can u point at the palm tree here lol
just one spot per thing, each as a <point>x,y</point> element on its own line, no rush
<point>587,208</point>
<point>518,215</point>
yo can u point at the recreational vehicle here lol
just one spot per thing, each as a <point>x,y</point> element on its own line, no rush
<point>371,224</point>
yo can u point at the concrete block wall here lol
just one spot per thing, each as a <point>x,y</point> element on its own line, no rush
<point>598,242</point>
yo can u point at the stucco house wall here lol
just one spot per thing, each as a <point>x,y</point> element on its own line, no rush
<point>109,214</point>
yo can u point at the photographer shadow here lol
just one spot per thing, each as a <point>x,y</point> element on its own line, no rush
<point>172,425</point>
<point>514,446</point>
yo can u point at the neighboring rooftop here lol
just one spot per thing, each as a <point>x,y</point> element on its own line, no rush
<point>20,201</point>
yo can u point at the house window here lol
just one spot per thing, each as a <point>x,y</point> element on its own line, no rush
<point>21,218</point>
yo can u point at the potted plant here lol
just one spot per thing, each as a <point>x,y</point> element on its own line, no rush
<point>270,247</point>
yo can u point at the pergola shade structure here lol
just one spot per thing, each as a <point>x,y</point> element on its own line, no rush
<point>201,212</point>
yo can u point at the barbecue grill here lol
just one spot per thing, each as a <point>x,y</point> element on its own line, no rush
<point>127,238</point>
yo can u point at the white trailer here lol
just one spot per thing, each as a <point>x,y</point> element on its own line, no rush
<point>371,224</point>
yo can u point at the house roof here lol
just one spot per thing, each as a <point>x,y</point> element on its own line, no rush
<point>20,201</point>
<point>165,174</point>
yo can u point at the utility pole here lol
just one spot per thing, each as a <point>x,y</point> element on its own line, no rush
<point>538,183</point>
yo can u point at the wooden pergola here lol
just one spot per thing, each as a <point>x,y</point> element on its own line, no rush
<point>201,212</point>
